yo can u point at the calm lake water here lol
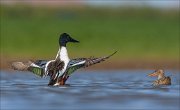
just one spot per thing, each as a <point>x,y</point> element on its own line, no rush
<point>87,90</point>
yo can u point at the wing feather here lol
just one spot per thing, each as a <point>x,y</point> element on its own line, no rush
<point>37,67</point>
<point>36,70</point>
<point>41,62</point>
<point>91,61</point>
<point>78,63</point>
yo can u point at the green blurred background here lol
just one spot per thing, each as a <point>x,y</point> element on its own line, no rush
<point>146,33</point>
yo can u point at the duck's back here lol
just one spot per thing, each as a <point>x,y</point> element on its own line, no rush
<point>165,81</point>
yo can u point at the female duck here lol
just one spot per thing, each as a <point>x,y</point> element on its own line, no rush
<point>162,79</point>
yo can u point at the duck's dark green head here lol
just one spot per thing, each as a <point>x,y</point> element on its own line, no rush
<point>65,38</point>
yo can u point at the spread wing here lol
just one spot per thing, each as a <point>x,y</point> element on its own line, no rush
<point>78,63</point>
<point>36,67</point>
<point>37,70</point>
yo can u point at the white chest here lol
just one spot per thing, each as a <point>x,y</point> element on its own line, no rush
<point>64,57</point>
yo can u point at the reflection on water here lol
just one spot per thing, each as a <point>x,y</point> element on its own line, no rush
<point>89,90</point>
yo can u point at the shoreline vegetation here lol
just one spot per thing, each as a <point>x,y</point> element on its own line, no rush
<point>145,38</point>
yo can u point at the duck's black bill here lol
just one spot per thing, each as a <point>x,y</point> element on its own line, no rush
<point>73,40</point>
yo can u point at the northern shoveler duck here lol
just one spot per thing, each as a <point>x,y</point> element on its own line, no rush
<point>162,79</point>
<point>61,67</point>
<point>49,68</point>
<point>75,64</point>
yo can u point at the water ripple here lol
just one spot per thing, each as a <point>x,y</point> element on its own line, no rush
<point>88,90</point>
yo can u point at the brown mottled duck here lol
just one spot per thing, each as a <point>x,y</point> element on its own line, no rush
<point>162,79</point>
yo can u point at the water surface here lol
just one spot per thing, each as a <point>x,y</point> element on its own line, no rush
<point>89,90</point>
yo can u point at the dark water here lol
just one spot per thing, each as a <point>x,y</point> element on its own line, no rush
<point>89,90</point>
